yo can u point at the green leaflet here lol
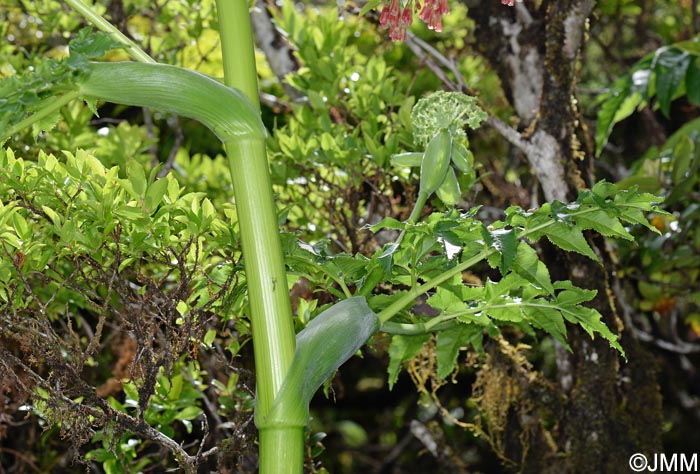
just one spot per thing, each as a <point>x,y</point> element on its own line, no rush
<point>505,242</point>
<point>670,65</point>
<point>550,320</point>
<point>603,223</point>
<point>403,348</point>
<point>35,92</point>
<point>450,341</point>
<point>325,344</point>
<point>692,81</point>
<point>528,265</point>
<point>660,74</point>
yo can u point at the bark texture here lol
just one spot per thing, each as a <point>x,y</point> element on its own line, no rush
<point>611,409</point>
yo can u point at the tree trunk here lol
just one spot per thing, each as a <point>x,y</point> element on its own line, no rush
<point>612,409</point>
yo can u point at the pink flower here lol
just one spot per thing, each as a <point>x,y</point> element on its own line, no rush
<point>397,15</point>
<point>432,13</point>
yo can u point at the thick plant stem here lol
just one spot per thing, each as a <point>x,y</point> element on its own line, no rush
<point>270,309</point>
<point>237,47</point>
<point>281,448</point>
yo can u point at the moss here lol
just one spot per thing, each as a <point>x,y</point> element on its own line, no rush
<point>518,407</point>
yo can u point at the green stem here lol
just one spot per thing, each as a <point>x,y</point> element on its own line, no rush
<point>50,108</point>
<point>237,47</point>
<point>270,308</point>
<point>103,25</point>
<point>414,329</point>
<point>415,215</point>
<point>409,297</point>
<point>281,448</point>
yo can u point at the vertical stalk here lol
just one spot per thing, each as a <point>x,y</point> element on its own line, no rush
<point>281,449</point>
<point>237,47</point>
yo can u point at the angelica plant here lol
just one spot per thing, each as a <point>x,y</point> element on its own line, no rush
<point>291,367</point>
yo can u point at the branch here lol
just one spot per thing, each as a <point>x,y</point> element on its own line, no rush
<point>427,56</point>
<point>107,414</point>
<point>677,345</point>
<point>510,134</point>
<point>275,46</point>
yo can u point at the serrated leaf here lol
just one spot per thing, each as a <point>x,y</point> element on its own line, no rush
<point>635,216</point>
<point>448,345</point>
<point>528,265</point>
<point>509,310</point>
<point>506,243</point>
<point>572,295</point>
<point>403,348</point>
<point>494,291</point>
<point>388,223</point>
<point>608,111</point>
<point>603,223</point>
<point>604,189</point>
<point>446,301</point>
<point>570,239</point>
<point>46,124</point>
<point>346,266</point>
<point>550,320</point>
<point>92,45</point>
<point>590,320</point>
<point>91,104</point>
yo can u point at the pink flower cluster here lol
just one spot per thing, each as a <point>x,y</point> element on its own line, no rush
<point>397,17</point>
<point>432,13</point>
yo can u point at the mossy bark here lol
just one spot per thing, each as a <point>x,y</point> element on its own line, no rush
<point>611,409</point>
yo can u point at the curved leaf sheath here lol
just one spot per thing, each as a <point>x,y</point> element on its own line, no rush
<point>227,112</point>
<point>323,346</point>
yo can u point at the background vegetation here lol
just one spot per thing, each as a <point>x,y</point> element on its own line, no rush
<point>337,97</point>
